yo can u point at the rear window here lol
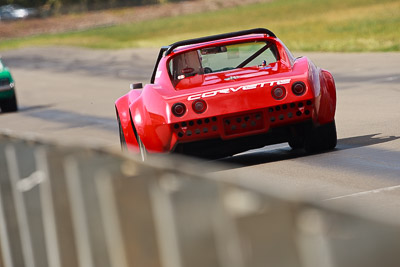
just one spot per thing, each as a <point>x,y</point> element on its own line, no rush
<point>222,58</point>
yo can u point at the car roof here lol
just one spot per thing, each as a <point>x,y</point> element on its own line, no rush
<point>198,42</point>
<point>251,37</point>
<point>190,43</point>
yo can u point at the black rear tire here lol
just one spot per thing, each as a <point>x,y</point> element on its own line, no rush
<point>321,138</point>
<point>142,148</point>
<point>121,135</point>
<point>143,151</point>
<point>9,105</point>
<point>296,143</point>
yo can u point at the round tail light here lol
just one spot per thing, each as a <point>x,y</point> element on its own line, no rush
<point>298,88</point>
<point>199,106</point>
<point>178,109</point>
<point>278,92</point>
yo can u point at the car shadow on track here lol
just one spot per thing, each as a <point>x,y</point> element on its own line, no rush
<point>29,108</point>
<point>286,153</point>
<point>33,108</point>
<point>364,140</point>
<point>70,119</point>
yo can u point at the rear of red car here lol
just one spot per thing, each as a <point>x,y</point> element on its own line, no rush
<point>224,96</point>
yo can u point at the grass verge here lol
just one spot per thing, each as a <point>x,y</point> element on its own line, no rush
<point>303,25</point>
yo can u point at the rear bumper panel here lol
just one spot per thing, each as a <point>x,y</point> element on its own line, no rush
<point>243,124</point>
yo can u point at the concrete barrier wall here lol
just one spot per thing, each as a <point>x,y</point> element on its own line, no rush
<point>71,206</point>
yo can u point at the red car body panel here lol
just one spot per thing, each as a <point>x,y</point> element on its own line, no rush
<point>239,102</point>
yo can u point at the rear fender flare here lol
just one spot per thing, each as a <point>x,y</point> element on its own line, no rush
<point>328,98</point>
<point>154,131</point>
<point>123,113</point>
<point>143,127</point>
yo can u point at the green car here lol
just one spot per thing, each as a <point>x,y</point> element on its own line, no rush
<point>8,100</point>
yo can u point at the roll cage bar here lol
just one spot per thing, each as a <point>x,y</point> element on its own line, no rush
<point>168,49</point>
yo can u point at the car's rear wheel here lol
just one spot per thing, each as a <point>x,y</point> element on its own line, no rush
<point>9,105</point>
<point>296,142</point>
<point>121,136</point>
<point>321,138</point>
<point>142,148</point>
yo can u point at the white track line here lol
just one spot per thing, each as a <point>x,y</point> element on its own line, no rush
<point>375,191</point>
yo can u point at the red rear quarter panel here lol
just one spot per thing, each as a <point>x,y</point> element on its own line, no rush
<point>325,94</point>
<point>150,115</point>
<point>122,108</point>
<point>328,98</point>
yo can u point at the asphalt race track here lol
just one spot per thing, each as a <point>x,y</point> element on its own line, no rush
<point>68,94</point>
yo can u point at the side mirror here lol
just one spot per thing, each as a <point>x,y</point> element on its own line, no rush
<point>134,86</point>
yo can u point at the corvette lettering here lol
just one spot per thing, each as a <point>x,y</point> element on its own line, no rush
<point>233,90</point>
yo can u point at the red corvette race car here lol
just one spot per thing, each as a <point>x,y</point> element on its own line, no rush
<point>224,94</point>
